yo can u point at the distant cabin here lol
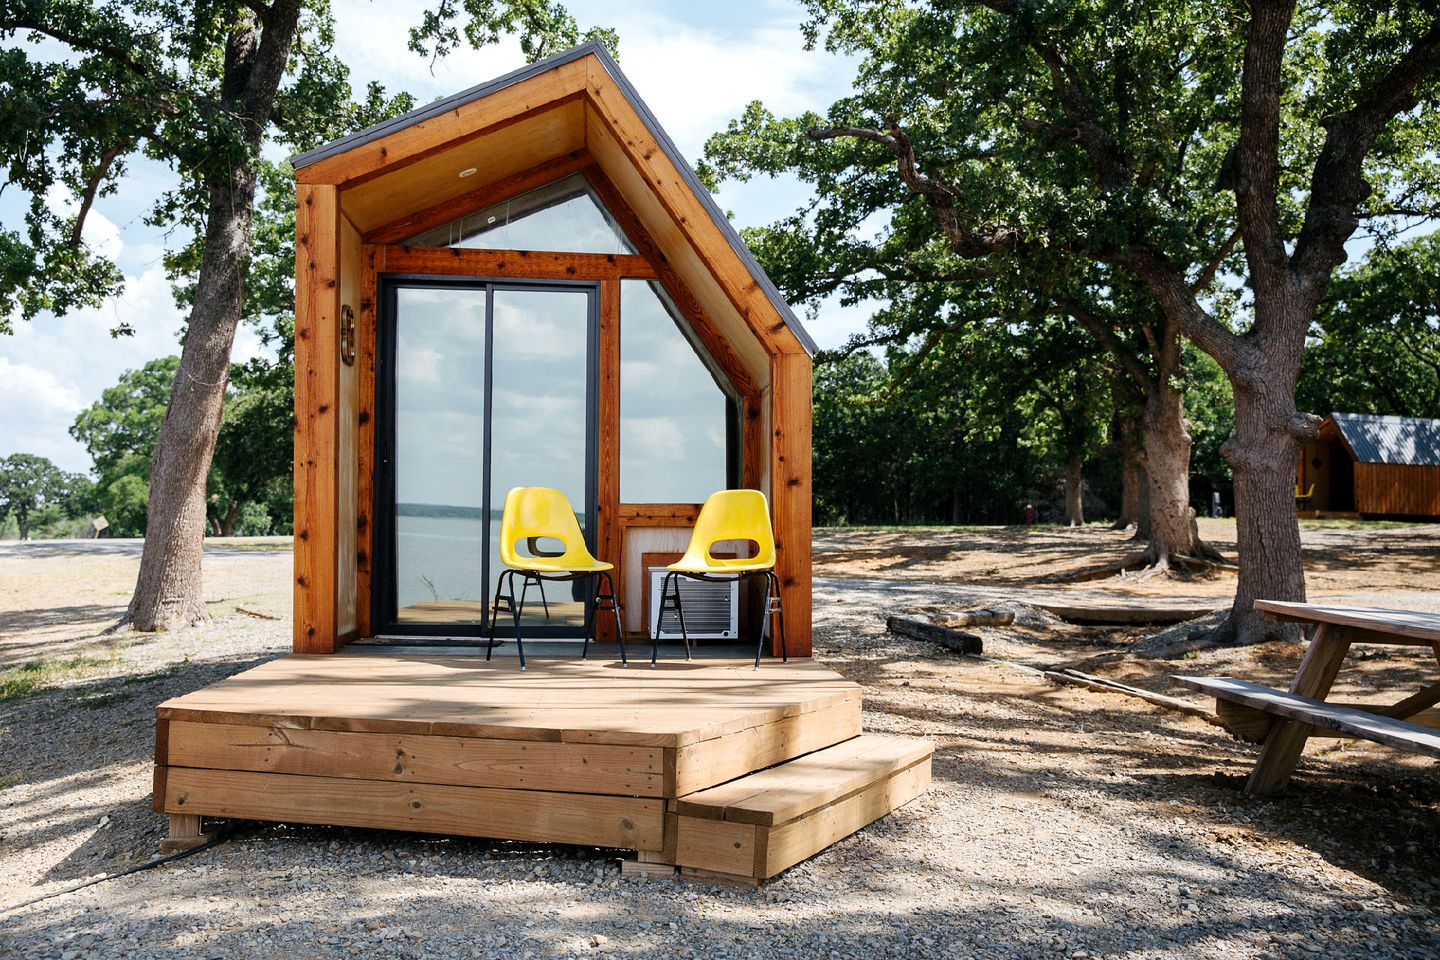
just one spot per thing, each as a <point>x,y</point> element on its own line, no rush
<point>1368,465</point>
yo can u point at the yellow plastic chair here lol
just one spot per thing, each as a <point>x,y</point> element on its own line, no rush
<point>533,514</point>
<point>727,515</point>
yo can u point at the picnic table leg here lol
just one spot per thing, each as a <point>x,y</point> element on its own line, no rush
<point>1286,740</point>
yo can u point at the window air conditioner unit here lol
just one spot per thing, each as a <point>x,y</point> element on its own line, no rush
<point>712,609</point>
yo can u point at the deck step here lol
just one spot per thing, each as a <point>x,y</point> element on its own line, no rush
<point>1347,720</point>
<point>761,824</point>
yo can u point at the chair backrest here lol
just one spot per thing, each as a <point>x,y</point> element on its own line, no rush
<point>733,515</point>
<point>532,513</point>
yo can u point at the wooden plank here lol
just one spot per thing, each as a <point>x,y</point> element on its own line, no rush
<point>658,514</point>
<point>462,761</point>
<point>317,365</point>
<point>467,121</point>
<point>717,845</point>
<point>790,494</point>
<point>788,844</point>
<point>958,641</point>
<point>157,788</point>
<point>516,264</point>
<point>714,341</point>
<point>366,326</point>
<point>1309,710</point>
<point>608,543</point>
<point>347,445</point>
<point>534,815</point>
<point>1246,723</point>
<point>664,180</point>
<point>575,700</point>
<point>186,833</point>
<point>1408,627</point>
<point>801,786</point>
<point>488,195</point>
<point>704,764</point>
<point>1286,740</point>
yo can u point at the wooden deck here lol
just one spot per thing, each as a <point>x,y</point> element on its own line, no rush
<point>570,751</point>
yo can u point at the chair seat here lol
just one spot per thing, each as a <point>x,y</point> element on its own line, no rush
<point>545,565</point>
<point>721,567</point>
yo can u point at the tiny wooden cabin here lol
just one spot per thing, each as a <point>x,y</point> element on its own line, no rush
<point>525,284</point>
<point>1371,466</point>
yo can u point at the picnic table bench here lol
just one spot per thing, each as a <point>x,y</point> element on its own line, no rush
<point>1283,721</point>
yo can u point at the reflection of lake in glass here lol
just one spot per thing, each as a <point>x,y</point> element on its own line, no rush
<point>440,583</point>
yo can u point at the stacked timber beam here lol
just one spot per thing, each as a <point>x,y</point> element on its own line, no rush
<point>676,763</point>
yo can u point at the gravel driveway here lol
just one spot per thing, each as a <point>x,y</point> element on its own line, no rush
<point>1061,823</point>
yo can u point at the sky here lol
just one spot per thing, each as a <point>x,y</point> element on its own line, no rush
<point>696,64</point>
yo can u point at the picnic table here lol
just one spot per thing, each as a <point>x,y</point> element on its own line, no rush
<point>1283,721</point>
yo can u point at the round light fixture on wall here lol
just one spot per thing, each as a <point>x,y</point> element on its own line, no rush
<point>467,172</point>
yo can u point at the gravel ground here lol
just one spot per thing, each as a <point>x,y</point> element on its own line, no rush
<point>1060,823</point>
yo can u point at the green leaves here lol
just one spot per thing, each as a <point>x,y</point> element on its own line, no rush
<point>544,28</point>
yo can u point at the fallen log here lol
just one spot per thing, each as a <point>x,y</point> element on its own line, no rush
<point>1106,685</point>
<point>989,617</point>
<point>957,640</point>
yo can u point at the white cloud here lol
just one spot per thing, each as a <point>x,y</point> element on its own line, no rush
<point>76,356</point>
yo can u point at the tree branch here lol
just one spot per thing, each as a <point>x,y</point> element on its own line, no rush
<point>1207,274</point>
<point>1128,359</point>
<point>92,187</point>
<point>1255,162</point>
<point>940,195</point>
<point>1338,185</point>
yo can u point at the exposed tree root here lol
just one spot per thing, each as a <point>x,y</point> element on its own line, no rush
<point>1152,562</point>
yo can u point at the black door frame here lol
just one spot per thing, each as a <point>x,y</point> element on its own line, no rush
<point>383,598</point>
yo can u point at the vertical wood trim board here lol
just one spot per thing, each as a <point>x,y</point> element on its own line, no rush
<point>317,362</point>
<point>372,259</point>
<point>790,493</point>
<point>608,444</point>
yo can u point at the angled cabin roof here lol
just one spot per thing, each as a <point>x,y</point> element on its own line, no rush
<point>547,119</point>
<point>1408,441</point>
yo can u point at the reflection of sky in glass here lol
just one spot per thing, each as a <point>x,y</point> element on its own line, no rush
<point>672,413</point>
<point>538,431</point>
<point>563,215</point>
<point>538,413</point>
<point>439,443</point>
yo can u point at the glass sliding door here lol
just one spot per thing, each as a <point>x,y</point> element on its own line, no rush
<point>480,387</point>
<point>540,416</point>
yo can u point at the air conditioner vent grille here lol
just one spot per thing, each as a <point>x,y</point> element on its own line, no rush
<point>711,608</point>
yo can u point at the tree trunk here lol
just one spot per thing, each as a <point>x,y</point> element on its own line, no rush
<point>1167,440</point>
<point>1132,474</point>
<point>1075,491</point>
<point>169,591</point>
<point>22,520</point>
<point>227,526</point>
<point>1269,434</point>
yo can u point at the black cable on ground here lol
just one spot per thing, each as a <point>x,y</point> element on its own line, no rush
<point>219,837</point>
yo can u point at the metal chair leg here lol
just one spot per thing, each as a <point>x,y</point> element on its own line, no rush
<point>680,612</point>
<point>590,611</point>
<point>615,611</point>
<point>517,610</point>
<point>764,622</point>
<point>543,601</point>
<point>664,596</point>
<point>495,614</point>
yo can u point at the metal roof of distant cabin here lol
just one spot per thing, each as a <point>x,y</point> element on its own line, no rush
<point>1410,441</point>
<point>387,127</point>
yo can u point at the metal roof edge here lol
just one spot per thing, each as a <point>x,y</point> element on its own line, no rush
<point>672,153</point>
<point>717,216</point>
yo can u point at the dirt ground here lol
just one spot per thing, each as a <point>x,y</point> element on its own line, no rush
<point>1062,822</point>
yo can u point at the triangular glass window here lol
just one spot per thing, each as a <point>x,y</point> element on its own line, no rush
<point>677,413</point>
<point>564,216</point>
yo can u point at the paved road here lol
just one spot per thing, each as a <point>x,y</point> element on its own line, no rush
<point>132,547</point>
